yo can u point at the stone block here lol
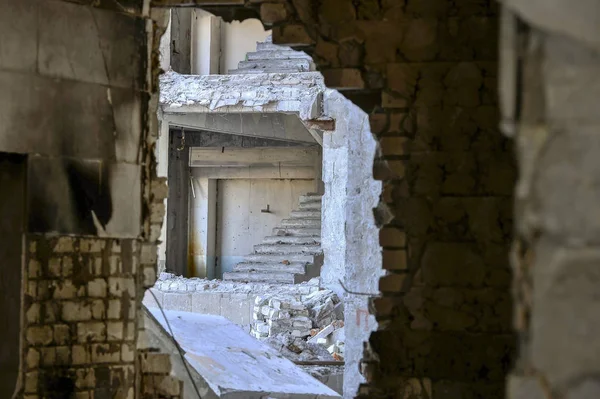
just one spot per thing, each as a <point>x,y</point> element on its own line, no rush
<point>76,311</point>
<point>565,280</point>
<point>156,363</point>
<point>344,79</point>
<point>271,13</point>
<point>97,288</point>
<point>292,35</point>
<point>39,335</point>
<point>177,301</point>
<point>91,332</point>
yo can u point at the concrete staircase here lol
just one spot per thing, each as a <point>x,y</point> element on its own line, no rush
<point>271,58</point>
<point>292,254</point>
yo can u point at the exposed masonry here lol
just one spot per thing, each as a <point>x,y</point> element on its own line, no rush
<point>292,254</point>
<point>298,93</point>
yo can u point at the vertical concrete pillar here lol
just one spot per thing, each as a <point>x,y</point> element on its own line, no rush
<point>319,185</point>
<point>181,39</point>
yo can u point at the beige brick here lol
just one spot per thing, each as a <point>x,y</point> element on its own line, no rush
<point>41,335</point>
<point>271,13</point>
<point>149,274</point>
<point>148,254</point>
<point>97,288</point>
<point>96,266</point>
<point>51,310</point>
<point>64,290</point>
<point>106,353</point>
<point>395,259</point>
<point>116,246</point>
<point>119,285</point>
<point>114,309</point>
<point>159,189</point>
<point>98,309</point>
<point>115,264</point>
<point>129,333</point>
<point>379,123</point>
<point>128,352</point>
<point>48,356</point>
<point>76,311</point>
<point>63,355</point>
<point>167,385</point>
<point>32,358</point>
<point>54,267</point>
<point>33,313</point>
<point>344,78</point>
<point>83,395</point>
<point>32,287</point>
<point>85,378</point>
<point>157,212</point>
<point>62,334</point>
<point>394,146</point>
<point>31,382</point>
<point>64,244</point>
<point>67,266</point>
<point>292,34</point>
<point>392,283</point>
<point>80,354</point>
<point>389,169</point>
<point>392,237</point>
<point>34,269</point>
<point>90,245</point>
<point>114,331</point>
<point>91,332</point>
<point>156,363</point>
<point>32,247</point>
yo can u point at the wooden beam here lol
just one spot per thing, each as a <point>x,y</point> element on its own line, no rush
<point>231,156</point>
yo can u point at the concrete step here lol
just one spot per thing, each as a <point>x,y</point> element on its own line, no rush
<point>310,198</point>
<point>279,258</point>
<point>271,47</point>
<point>297,231</point>
<point>280,54</point>
<point>301,65</point>
<point>259,71</point>
<point>306,222</point>
<point>310,206</point>
<point>295,240</point>
<point>287,249</point>
<point>257,277</point>
<point>297,268</point>
<point>311,214</point>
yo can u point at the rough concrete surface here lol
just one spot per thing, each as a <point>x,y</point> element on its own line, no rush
<point>235,365</point>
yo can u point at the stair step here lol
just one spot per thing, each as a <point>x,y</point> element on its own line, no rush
<point>313,214</point>
<point>271,47</point>
<point>296,240</point>
<point>310,206</point>
<point>276,54</point>
<point>306,222</point>
<point>254,277</point>
<point>259,71</point>
<point>297,231</point>
<point>301,65</point>
<point>298,268</point>
<point>284,249</point>
<point>278,258</point>
<point>304,199</point>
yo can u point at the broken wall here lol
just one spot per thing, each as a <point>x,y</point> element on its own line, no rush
<point>349,236</point>
<point>75,104</point>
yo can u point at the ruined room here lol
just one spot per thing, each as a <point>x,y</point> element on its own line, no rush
<point>448,147</point>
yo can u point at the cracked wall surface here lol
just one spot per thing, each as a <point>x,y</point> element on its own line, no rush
<point>426,73</point>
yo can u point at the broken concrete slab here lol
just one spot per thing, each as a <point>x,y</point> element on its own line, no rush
<point>235,365</point>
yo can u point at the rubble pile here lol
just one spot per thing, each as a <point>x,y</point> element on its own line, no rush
<point>301,327</point>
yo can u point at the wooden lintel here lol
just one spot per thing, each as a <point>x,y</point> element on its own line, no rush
<point>326,125</point>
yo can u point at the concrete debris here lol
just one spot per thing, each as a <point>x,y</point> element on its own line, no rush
<point>299,328</point>
<point>264,92</point>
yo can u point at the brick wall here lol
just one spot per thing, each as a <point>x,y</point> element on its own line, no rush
<point>426,72</point>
